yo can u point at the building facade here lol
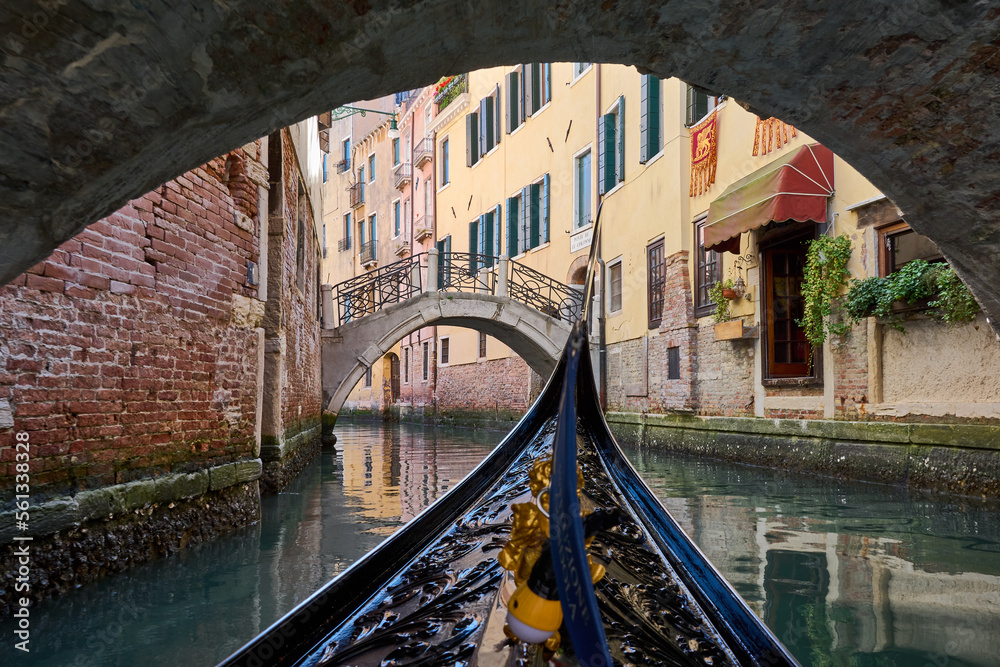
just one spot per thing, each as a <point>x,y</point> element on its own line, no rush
<point>690,186</point>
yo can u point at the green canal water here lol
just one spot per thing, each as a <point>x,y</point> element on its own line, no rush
<point>845,574</point>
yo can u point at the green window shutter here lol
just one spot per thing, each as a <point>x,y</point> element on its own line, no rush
<point>536,87</point>
<point>621,139</point>
<point>447,271</point>
<point>601,157</point>
<point>644,153</point>
<point>653,117</point>
<point>473,246</point>
<point>608,176</point>
<point>529,87</point>
<point>512,225</point>
<point>497,133</point>
<point>483,124</point>
<point>486,222</point>
<point>497,231</point>
<point>535,211</point>
<point>525,234</point>
<point>442,281</point>
<point>471,139</point>
<point>545,208</point>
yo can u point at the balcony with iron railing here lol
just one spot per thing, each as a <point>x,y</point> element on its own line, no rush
<point>368,253</point>
<point>343,166</point>
<point>401,246</point>
<point>402,175</point>
<point>423,227</point>
<point>357,195</point>
<point>451,88</point>
<point>344,244</point>
<point>423,152</point>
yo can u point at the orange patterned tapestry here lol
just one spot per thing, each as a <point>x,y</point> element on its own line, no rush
<point>704,154</point>
<point>770,134</point>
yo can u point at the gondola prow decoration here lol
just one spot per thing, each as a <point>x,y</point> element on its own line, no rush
<point>534,613</point>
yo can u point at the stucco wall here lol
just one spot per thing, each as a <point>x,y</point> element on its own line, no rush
<point>948,370</point>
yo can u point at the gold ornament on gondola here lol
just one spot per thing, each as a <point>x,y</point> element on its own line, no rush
<point>534,611</point>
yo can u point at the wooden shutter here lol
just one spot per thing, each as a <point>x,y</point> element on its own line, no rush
<point>601,156</point>
<point>608,177</point>
<point>483,124</point>
<point>524,235</point>
<point>511,114</point>
<point>486,223</point>
<point>512,225</point>
<point>545,208</point>
<point>471,139</point>
<point>529,88</point>
<point>497,230</point>
<point>535,212</point>
<point>496,117</point>
<point>473,246</point>
<point>621,139</point>
<point>653,117</point>
<point>643,118</point>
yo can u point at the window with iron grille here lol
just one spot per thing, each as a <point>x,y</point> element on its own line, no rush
<point>656,272</point>
<point>708,271</point>
<point>406,365</point>
<point>427,360</point>
<point>482,345</point>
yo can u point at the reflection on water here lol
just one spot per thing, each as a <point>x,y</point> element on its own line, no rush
<point>845,574</point>
<point>199,606</point>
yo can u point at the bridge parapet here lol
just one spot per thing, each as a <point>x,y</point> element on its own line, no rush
<point>435,271</point>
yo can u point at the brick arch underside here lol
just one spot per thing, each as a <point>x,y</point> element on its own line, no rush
<point>349,350</point>
<point>103,101</point>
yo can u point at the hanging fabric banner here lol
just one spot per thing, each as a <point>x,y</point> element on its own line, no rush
<point>704,154</point>
<point>770,134</point>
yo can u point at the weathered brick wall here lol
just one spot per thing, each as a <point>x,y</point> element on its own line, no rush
<point>724,378</point>
<point>851,394</point>
<point>493,385</point>
<point>302,385</point>
<point>122,354</point>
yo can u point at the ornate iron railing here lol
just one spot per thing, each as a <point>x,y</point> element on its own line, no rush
<point>371,292</point>
<point>344,244</point>
<point>423,151</point>
<point>455,87</point>
<point>367,252</point>
<point>357,194</point>
<point>537,290</point>
<point>343,165</point>
<point>456,272</point>
<point>402,174</point>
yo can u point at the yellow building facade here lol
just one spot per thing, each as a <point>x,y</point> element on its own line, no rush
<point>525,155</point>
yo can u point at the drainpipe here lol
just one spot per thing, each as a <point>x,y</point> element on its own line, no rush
<point>602,353</point>
<point>431,181</point>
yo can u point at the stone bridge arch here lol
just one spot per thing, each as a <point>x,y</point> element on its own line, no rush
<point>103,101</point>
<point>351,348</point>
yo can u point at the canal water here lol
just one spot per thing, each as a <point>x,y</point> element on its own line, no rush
<point>845,574</point>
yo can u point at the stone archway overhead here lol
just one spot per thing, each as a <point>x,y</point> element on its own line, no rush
<point>105,100</point>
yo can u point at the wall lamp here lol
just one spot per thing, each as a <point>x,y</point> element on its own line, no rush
<point>345,111</point>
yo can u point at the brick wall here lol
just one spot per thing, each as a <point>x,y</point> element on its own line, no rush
<point>119,353</point>
<point>493,385</point>
<point>850,374</point>
<point>725,376</point>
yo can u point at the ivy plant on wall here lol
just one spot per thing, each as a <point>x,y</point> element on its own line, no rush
<point>721,313</point>
<point>919,281</point>
<point>824,277</point>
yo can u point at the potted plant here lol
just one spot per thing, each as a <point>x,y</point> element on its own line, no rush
<point>726,328</point>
